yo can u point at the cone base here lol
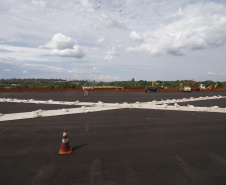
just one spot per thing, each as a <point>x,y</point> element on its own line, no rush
<point>67,152</point>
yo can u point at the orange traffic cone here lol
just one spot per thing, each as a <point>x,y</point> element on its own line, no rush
<point>65,148</point>
<point>85,93</point>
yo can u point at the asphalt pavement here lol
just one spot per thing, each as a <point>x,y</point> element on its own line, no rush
<point>114,147</point>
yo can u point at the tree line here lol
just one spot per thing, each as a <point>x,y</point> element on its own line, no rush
<point>68,84</point>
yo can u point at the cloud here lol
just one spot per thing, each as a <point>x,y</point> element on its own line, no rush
<point>74,52</point>
<point>100,40</point>
<point>7,70</point>
<point>108,57</point>
<point>211,73</point>
<point>24,71</point>
<point>101,77</point>
<point>111,54</point>
<point>198,26</point>
<point>96,49</point>
<point>85,73</point>
<point>38,3</point>
<point>87,5</point>
<point>136,36</point>
<point>64,46</point>
<point>77,72</point>
<point>23,53</point>
<point>21,70</point>
<point>108,77</point>
<point>95,69</point>
<point>110,22</point>
<point>218,74</point>
<point>60,41</point>
<point>92,74</point>
<point>222,74</point>
<point>73,71</point>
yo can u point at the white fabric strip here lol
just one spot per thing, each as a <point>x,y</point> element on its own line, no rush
<point>100,106</point>
<point>46,113</point>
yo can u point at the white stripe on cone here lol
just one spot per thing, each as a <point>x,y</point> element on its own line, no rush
<point>65,140</point>
<point>64,133</point>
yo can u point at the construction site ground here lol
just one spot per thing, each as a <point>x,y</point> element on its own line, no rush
<point>141,89</point>
<point>126,146</point>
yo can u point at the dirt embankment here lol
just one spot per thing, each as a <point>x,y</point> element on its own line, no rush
<point>101,90</point>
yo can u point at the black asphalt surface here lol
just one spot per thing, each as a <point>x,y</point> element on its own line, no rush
<point>8,107</point>
<point>206,103</point>
<point>108,97</point>
<point>115,147</point>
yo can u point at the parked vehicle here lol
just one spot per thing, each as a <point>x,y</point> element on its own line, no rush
<point>187,89</point>
<point>84,87</point>
<point>195,86</point>
<point>151,89</point>
<point>160,86</point>
<point>202,86</point>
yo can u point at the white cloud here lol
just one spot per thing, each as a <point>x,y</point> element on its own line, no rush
<point>60,41</point>
<point>111,54</point>
<point>77,72</point>
<point>108,77</point>
<point>93,74</point>
<point>136,36</point>
<point>96,49</point>
<point>73,71</point>
<point>222,74</point>
<point>7,70</point>
<point>76,52</point>
<point>101,77</point>
<point>24,71</point>
<point>95,70</point>
<point>211,73</point>
<point>87,5</point>
<point>17,53</point>
<point>108,57</point>
<point>110,22</point>
<point>64,46</point>
<point>199,26</point>
<point>38,3</point>
<point>100,40</point>
<point>20,70</point>
<point>218,74</point>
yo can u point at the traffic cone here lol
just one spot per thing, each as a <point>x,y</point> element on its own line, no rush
<point>65,148</point>
<point>85,93</point>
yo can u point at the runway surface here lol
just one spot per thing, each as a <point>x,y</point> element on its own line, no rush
<point>122,146</point>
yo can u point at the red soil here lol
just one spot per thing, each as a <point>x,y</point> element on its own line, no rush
<point>99,90</point>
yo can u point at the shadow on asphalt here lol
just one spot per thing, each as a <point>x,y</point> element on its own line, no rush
<point>80,146</point>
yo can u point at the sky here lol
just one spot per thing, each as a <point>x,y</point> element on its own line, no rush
<point>113,40</point>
